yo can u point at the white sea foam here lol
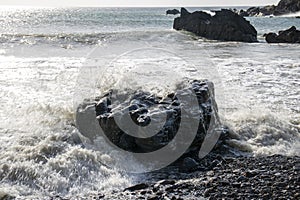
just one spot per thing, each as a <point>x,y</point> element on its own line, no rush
<point>264,132</point>
<point>296,14</point>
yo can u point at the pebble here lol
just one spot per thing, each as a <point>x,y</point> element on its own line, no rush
<point>188,165</point>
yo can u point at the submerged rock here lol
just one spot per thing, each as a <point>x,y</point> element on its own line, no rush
<point>172,12</point>
<point>291,35</point>
<point>224,25</point>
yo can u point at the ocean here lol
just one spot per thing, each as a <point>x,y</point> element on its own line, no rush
<point>44,57</point>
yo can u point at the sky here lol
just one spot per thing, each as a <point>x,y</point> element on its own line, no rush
<point>117,3</point>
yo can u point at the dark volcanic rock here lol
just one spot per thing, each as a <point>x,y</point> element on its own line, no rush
<point>283,7</point>
<point>139,107</point>
<point>172,12</point>
<point>188,165</point>
<point>267,10</point>
<point>291,35</point>
<point>169,115</point>
<point>287,6</point>
<point>224,25</point>
<point>271,37</point>
<point>253,11</point>
<point>258,11</point>
<point>242,13</point>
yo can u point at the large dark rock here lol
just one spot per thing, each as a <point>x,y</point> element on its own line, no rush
<point>287,6</point>
<point>242,13</point>
<point>291,35</point>
<point>139,108</point>
<point>225,25</point>
<point>172,12</point>
<point>258,11</point>
<point>253,11</point>
<point>143,108</point>
<point>283,7</point>
<point>267,10</point>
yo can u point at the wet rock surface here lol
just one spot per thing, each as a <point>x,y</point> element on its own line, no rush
<point>225,25</point>
<point>139,106</point>
<point>291,35</point>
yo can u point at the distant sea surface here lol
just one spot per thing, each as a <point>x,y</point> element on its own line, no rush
<point>43,49</point>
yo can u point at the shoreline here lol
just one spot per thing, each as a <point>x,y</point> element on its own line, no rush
<point>242,177</point>
<point>263,177</point>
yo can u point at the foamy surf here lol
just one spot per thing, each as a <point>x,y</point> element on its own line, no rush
<point>296,14</point>
<point>263,133</point>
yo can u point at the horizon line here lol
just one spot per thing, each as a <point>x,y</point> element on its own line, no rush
<point>123,6</point>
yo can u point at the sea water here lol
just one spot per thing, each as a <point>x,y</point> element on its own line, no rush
<point>44,51</point>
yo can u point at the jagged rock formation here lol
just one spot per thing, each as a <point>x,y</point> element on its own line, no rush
<point>291,35</point>
<point>225,25</point>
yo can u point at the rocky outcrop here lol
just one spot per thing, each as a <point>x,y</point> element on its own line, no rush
<point>141,109</point>
<point>225,25</point>
<point>258,11</point>
<point>291,35</point>
<point>283,7</point>
<point>172,12</point>
<point>287,6</point>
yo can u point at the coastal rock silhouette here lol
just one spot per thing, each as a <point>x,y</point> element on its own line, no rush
<point>258,11</point>
<point>287,6</point>
<point>225,25</point>
<point>172,12</point>
<point>283,7</point>
<point>291,35</point>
